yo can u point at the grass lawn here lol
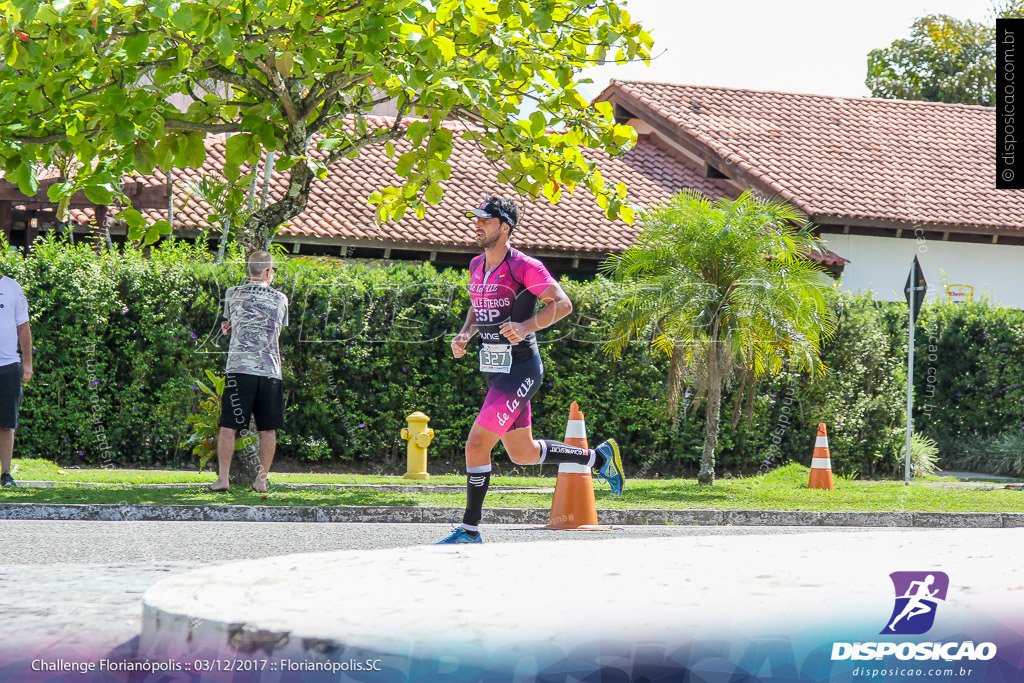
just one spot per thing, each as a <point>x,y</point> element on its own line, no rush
<point>782,489</point>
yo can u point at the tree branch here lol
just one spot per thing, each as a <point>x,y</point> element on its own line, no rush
<point>396,131</point>
<point>328,96</point>
<point>178,124</point>
<point>279,87</point>
<point>218,72</point>
<point>325,121</point>
<point>44,140</point>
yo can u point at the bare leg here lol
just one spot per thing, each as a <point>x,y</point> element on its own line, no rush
<point>6,450</point>
<point>522,449</point>
<point>268,443</point>
<point>225,451</point>
<point>479,444</point>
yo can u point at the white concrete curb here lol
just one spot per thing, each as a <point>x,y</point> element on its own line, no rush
<point>398,514</point>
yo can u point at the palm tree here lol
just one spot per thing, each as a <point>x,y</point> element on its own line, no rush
<point>723,285</point>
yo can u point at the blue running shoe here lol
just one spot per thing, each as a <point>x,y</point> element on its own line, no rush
<point>611,471</point>
<point>460,535</point>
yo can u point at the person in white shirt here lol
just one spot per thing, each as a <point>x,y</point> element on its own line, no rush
<point>14,371</point>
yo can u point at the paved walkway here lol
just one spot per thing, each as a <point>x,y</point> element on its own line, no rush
<point>461,612</point>
<point>75,588</point>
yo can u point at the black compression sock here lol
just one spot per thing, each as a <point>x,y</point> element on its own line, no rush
<point>556,452</point>
<point>477,481</point>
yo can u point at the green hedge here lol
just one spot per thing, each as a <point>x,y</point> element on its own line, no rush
<point>969,374</point>
<point>121,338</point>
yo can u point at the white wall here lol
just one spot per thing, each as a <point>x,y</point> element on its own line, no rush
<point>881,265</point>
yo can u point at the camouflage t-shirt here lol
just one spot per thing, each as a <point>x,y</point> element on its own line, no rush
<point>257,313</point>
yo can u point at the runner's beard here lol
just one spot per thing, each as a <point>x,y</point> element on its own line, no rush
<point>488,243</point>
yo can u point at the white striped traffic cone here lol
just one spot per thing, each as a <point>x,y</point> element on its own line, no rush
<point>821,463</point>
<point>573,506</point>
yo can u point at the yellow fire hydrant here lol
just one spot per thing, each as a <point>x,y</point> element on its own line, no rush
<point>419,437</point>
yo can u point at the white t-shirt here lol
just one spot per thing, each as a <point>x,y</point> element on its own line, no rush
<point>13,312</point>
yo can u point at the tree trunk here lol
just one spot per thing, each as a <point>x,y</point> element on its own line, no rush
<point>225,228</point>
<point>258,231</point>
<point>706,476</point>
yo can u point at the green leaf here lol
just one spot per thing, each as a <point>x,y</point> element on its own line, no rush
<point>136,233</point>
<point>184,17</point>
<point>58,191</point>
<point>124,130</point>
<point>438,170</point>
<point>236,152</point>
<point>446,46</point>
<point>156,230</point>
<point>330,144</point>
<point>627,214</point>
<point>133,218</point>
<point>444,11</point>
<point>433,194</point>
<point>405,164</point>
<point>416,131</point>
<point>225,41</point>
<point>99,194</point>
<point>537,124</point>
<point>194,151</point>
<point>164,74</point>
<point>25,177</point>
<point>144,157</point>
<point>135,45</point>
<point>285,63</point>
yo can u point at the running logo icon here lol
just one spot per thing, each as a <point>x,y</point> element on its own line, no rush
<point>918,595</point>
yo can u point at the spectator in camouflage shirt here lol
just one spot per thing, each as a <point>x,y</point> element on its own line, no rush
<point>255,313</point>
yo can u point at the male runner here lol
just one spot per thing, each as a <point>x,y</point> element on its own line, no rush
<point>504,287</point>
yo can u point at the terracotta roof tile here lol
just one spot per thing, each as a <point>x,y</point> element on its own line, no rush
<point>338,208</point>
<point>856,158</point>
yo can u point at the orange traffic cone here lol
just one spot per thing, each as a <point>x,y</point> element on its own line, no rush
<point>573,506</point>
<point>821,463</point>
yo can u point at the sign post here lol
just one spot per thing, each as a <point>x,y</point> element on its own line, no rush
<point>915,289</point>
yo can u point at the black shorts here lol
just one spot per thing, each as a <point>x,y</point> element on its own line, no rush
<point>260,397</point>
<point>10,395</point>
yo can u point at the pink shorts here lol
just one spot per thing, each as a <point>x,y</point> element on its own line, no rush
<point>507,404</point>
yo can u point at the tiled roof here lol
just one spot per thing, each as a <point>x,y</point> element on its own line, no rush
<point>576,225</point>
<point>891,161</point>
<point>337,206</point>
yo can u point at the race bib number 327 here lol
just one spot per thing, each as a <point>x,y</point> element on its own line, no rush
<point>496,358</point>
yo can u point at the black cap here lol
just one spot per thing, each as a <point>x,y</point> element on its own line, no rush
<point>491,210</point>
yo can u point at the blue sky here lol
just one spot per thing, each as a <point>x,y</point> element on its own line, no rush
<point>805,46</point>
